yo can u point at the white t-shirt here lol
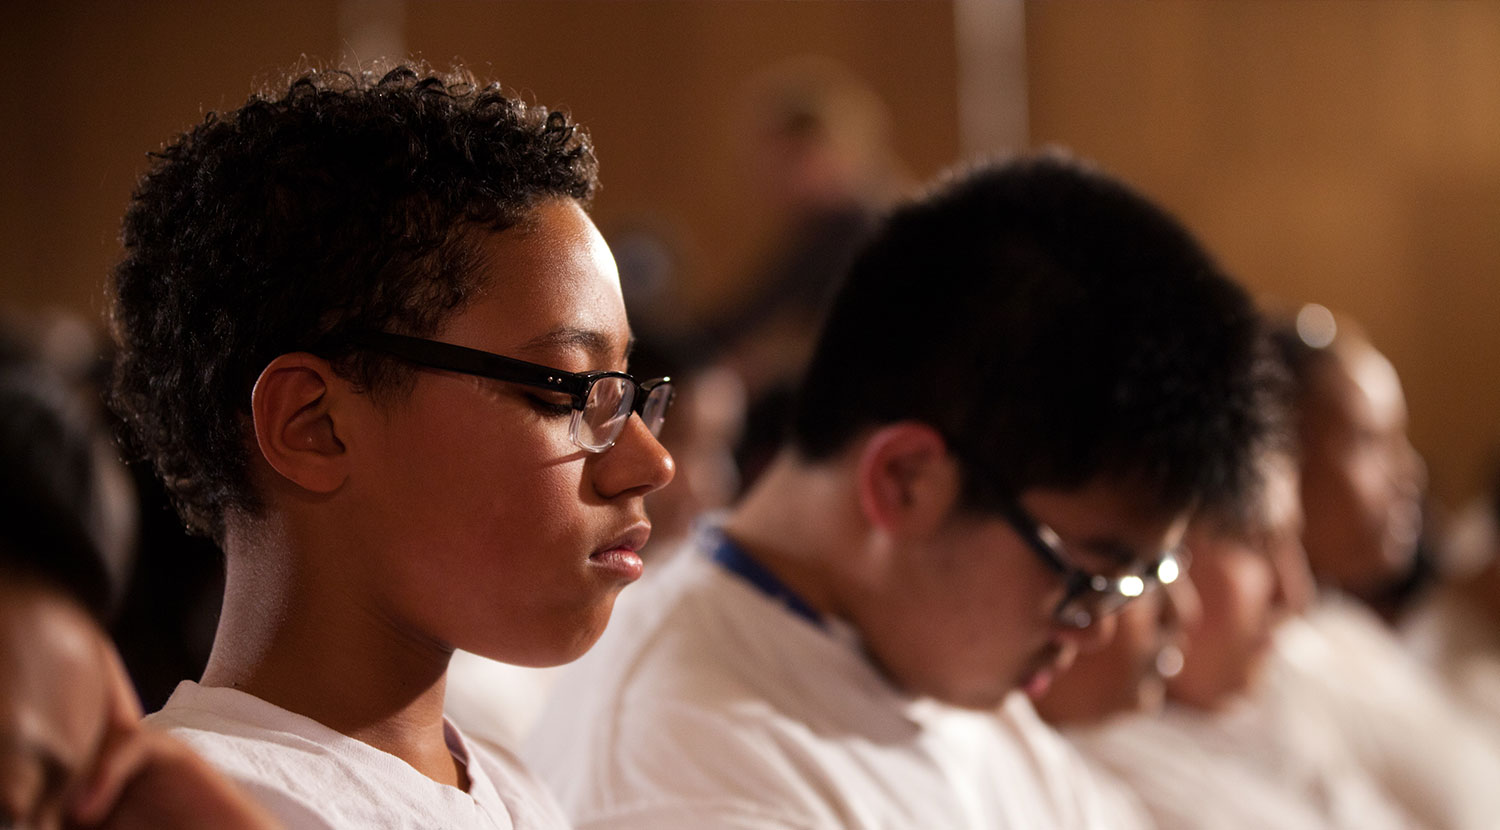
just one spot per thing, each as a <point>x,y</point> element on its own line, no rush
<point>708,704</point>
<point>1462,644</point>
<point>1245,768</point>
<point>495,703</point>
<point>1346,732</point>
<point>310,776</point>
<point>1344,666</point>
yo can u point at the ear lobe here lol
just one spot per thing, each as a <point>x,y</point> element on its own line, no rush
<point>294,424</point>
<point>908,482</point>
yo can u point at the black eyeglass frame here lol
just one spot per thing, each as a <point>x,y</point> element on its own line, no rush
<point>1086,595</point>
<point>450,357</point>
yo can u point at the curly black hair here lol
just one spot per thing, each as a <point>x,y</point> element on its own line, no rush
<point>1056,327</point>
<point>342,201</point>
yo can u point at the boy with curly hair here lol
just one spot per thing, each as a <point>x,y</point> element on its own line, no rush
<point>376,349</point>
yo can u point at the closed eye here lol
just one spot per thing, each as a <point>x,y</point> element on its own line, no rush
<point>550,408</point>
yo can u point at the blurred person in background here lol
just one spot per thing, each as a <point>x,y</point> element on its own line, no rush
<point>1129,674</point>
<point>1339,666</point>
<point>1362,480</point>
<point>1456,629</point>
<point>61,352</point>
<point>1027,379</point>
<point>72,749</point>
<point>1222,754</point>
<point>818,154</point>
<point>171,583</point>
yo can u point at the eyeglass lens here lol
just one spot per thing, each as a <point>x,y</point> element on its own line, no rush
<point>1088,602</point>
<point>608,407</point>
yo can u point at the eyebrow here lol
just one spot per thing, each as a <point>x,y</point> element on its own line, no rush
<point>589,340</point>
<point>1113,550</point>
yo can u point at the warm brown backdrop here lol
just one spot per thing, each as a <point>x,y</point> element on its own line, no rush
<point>1345,152</point>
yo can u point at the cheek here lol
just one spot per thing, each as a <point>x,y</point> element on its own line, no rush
<point>978,615</point>
<point>1329,481</point>
<point>1138,631</point>
<point>1373,485</point>
<point>1117,678</point>
<point>1237,601</point>
<point>1138,637</point>
<point>21,783</point>
<point>472,481</point>
<point>476,447</point>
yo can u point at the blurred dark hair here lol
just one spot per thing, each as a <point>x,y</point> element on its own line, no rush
<point>54,523</point>
<point>1056,327</point>
<point>340,202</point>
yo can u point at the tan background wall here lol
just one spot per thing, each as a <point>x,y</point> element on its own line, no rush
<point>1344,152</point>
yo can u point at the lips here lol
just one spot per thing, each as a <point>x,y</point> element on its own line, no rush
<point>619,558</point>
<point>1038,682</point>
<point>632,539</point>
<point>1045,668</point>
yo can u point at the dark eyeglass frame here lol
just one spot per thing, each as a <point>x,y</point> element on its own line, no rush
<point>435,354</point>
<point>1088,596</point>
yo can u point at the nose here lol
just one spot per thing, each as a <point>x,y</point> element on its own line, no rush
<point>1413,472</point>
<point>1181,607</point>
<point>636,465</point>
<point>1294,583</point>
<point>1092,637</point>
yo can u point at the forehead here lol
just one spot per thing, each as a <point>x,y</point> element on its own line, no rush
<point>1115,519</point>
<point>549,285</point>
<point>1360,387</point>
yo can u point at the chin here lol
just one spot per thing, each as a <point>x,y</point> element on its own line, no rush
<point>587,633</point>
<point>976,703</point>
<point>980,700</point>
<point>1151,696</point>
<point>543,645</point>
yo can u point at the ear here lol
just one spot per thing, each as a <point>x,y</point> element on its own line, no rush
<point>908,482</point>
<point>294,421</point>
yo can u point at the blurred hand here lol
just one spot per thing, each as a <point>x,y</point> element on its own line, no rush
<point>145,779</point>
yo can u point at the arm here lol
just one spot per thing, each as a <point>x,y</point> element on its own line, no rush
<point>145,779</point>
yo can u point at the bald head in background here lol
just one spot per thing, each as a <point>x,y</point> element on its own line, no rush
<point>1362,481</point>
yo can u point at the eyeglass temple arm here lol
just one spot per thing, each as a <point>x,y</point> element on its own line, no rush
<point>1031,533</point>
<point>453,358</point>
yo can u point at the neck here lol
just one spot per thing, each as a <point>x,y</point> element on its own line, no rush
<point>796,522</point>
<point>292,634</point>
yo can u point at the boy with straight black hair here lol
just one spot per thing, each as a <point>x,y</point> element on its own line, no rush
<point>1030,378</point>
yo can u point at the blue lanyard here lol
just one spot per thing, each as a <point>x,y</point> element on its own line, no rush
<point>733,558</point>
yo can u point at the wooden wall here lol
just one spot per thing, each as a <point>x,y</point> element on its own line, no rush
<point>1344,152</point>
<point>95,85</point>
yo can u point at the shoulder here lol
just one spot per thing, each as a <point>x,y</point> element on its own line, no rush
<point>243,736</point>
<point>652,759</point>
<point>285,774</point>
<point>311,776</point>
<point>1076,791</point>
<point>675,711</point>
